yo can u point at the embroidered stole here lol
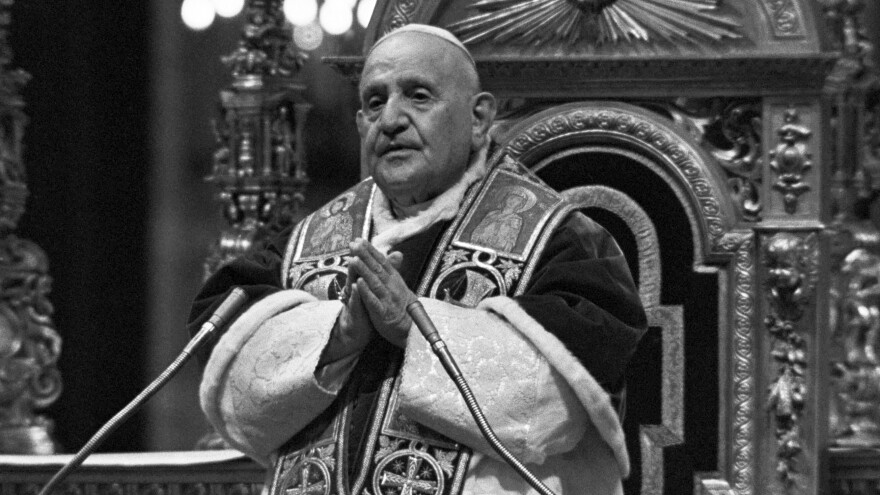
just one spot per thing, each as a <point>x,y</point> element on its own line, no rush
<point>362,444</point>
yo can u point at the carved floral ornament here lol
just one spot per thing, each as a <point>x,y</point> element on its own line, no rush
<point>791,261</point>
<point>538,22</point>
<point>791,160</point>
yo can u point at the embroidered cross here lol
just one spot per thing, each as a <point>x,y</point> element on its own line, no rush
<point>409,484</point>
<point>304,487</point>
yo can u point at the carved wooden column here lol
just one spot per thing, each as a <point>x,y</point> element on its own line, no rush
<point>795,296</point>
<point>29,345</point>
<point>259,164</point>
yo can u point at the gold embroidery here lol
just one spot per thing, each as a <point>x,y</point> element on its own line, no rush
<point>334,228</point>
<point>500,228</point>
<point>411,471</point>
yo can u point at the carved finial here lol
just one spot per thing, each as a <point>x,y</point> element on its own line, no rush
<point>265,48</point>
<point>259,164</point>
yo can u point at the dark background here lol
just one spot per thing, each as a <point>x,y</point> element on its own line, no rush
<point>88,161</point>
<point>118,143</point>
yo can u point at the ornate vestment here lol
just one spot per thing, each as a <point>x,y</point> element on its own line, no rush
<point>397,425</point>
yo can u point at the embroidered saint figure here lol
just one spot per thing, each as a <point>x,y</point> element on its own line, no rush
<point>333,232</point>
<point>500,228</point>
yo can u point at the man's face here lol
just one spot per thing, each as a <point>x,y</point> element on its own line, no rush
<point>416,119</point>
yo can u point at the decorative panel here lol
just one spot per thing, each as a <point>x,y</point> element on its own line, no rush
<point>792,182</point>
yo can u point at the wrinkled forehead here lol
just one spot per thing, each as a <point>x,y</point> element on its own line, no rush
<point>413,55</point>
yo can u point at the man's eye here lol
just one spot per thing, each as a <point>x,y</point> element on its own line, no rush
<point>374,103</point>
<point>421,96</point>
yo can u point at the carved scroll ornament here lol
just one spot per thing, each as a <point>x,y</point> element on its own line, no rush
<point>791,263</point>
<point>402,14</point>
<point>29,345</point>
<point>731,131</point>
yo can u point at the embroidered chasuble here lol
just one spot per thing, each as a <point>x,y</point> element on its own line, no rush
<point>535,300</point>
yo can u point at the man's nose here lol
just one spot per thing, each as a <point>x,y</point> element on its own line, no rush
<point>393,119</point>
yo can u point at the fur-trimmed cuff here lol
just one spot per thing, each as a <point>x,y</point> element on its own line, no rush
<point>258,388</point>
<point>592,396</point>
<point>527,403</point>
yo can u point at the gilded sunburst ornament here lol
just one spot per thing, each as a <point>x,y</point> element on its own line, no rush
<point>595,21</point>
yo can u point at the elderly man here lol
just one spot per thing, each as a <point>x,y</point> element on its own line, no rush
<point>325,378</point>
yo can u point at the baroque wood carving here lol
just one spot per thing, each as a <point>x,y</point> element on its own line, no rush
<point>791,160</point>
<point>29,345</point>
<point>259,164</point>
<point>540,22</point>
<point>553,134</point>
<point>402,14</point>
<point>730,130</point>
<point>743,363</point>
<point>857,382</point>
<point>631,126</point>
<point>791,262</point>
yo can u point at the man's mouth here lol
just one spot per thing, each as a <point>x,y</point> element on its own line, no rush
<point>394,147</point>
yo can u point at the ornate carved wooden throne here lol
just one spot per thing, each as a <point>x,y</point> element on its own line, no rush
<point>717,141</point>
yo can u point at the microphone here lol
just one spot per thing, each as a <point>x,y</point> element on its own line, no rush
<point>227,309</point>
<point>429,331</point>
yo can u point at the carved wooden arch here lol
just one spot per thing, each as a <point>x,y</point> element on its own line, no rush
<point>673,154</point>
<point>639,223</point>
<point>670,431</point>
<point>654,142</point>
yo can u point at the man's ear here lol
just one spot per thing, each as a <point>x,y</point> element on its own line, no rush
<point>361,124</point>
<point>483,116</point>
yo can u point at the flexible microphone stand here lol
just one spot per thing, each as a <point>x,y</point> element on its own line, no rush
<point>228,308</point>
<point>426,326</point>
